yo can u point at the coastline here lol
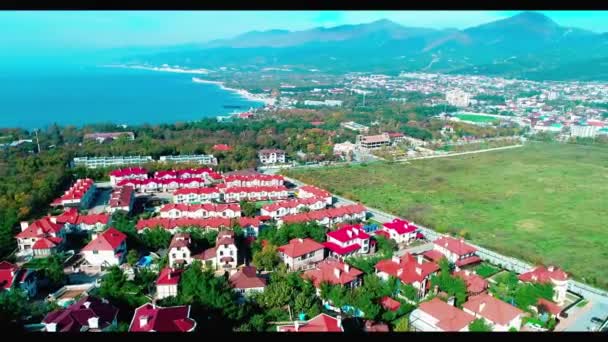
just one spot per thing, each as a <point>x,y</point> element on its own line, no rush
<point>163,68</point>
<point>241,92</point>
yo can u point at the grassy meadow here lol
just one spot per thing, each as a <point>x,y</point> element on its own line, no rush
<point>544,202</point>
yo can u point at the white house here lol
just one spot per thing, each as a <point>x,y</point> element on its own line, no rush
<point>246,281</point>
<point>204,210</point>
<point>292,206</point>
<point>223,255</point>
<point>107,249</point>
<point>409,269</point>
<point>179,250</point>
<point>551,275</point>
<point>299,253</point>
<point>272,156</point>
<point>309,191</point>
<point>198,195</point>
<point>41,238</point>
<point>399,230</point>
<point>167,282</point>
<point>500,315</point>
<point>437,315</point>
<point>347,240</point>
<point>455,250</point>
<point>119,175</point>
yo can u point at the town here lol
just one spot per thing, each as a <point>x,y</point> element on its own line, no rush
<point>148,250</point>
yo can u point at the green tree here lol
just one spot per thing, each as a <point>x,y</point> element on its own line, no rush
<point>386,247</point>
<point>156,238</point>
<point>267,259</point>
<point>248,209</point>
<point>132,257</point>
<point>13,305</point>
<point>409,291</point>
<point>480,325</point>
<point>402,325</point>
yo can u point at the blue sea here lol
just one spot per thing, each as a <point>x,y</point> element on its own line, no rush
<point>77,96</point>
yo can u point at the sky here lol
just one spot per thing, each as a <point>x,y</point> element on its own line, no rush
<point>26,32</point>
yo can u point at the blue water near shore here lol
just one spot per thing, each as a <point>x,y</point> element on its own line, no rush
<point>87,95</point>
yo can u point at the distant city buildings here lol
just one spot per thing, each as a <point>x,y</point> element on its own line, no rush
<point>203,159</point>
<point>458,98</point>
<point>101,162</point>
<point>272,156</point>
<point>328,103</point>
<point>353,126</point>
<point>110,136</point>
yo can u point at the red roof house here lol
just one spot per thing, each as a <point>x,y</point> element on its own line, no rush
<point>246,280</point>
<point>399,230</point>
<point>320,323</point>
<point>152,318</point>
<point>390,304</point>
<point>409,269</point>
<point>444,317</point>
<point>456,251</point>
<point>503,316</point>
<point>106,249</point>
<point>475,283</point>
<point>334,272</point>
<point>88,314</point>
<point>348,240</point>
<point>222,147</point>
<point>300,252</point>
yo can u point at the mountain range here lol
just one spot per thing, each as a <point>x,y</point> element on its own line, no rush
<point>528,45</point>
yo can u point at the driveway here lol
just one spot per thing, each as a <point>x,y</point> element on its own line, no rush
<point>580,319</point>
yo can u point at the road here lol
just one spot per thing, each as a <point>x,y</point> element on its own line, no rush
<point>461,153</point>
<point>598,299</point>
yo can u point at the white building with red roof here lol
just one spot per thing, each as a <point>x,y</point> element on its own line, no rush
<point>348,240</point>
<point>198,195</point>
<point>222,148</point>
<point>399,230</point>
<point>153,318</point>
<point>74,221</point>
<point>15,277</point>
<point>299,253</point>
<point>475,284</point>
<point>167,282</point>
<point>309,191</point>
<point>88,314</point>
<point>292,206</point>
<point>135,173</point>
<point>106,249</point>
<point>329,216</point>
<point>252,180</point>
<point>41,238</point>
<point>205,210</point>
<point>334,272</point>
<point>246,281</point>
<point>224,255</point>
<point>250,224</point>
<point>254,193</point>
<point>500,315</point>
<point>457,251</point>
<point>122,199</point>
<point>409,269</point>
<point>549,275</point>
<point>437,315</point>
<point>79,195</point>
<point>320,323</point>
<point>272,156</point>
<point>179,250</point>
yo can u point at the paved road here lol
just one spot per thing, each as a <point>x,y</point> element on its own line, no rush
<point>598,298</point>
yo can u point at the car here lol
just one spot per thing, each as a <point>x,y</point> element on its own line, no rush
<point>597,320</point>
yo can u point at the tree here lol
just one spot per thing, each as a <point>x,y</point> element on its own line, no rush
<point>480,325</point>
<point>132,257</point>
<point>13,305</point>
<point>409,291</point>
<point>156,238</point>
<point>386,247</point>
<point>267,259</point>
<point>402,325</point>
<point>248,209</point>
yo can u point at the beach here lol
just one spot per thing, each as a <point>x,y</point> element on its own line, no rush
<point>164,68</point>
<point>241,92</point>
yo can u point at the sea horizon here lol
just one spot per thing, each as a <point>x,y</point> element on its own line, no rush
<point>82,96</point>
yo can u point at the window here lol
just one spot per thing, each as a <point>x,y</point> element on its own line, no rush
<point>95,251</point>
<point>173,256</point>
<point>231,252</point>
<point>184,255</point>
<point>221,253</point>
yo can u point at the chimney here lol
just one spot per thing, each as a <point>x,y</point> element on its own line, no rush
<point>296,325</point>
<point>87,304</point>
<point>395,259</point>
<point>482,306</point>
<point>93,323</point>
<point>467,272</point>
<point>53,219</point>
<point>346,268</point>
<point>534,278</point>
<point>93,236</point>
<point>445,244</point>
<point>339,318</point>
<point>418,271</point>
<point>169,274</point>
<point>419,259</point>
<point>550,268</point>
<point>143,320</point>
<point>337,272</point>
<point>51,327</point>
<point>300,240</point>
<point>349,233</point>
<point>399,272</point>
<point>451,301</point>
<point>24,225</point>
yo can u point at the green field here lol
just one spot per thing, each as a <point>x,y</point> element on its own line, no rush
<point>543,202</point>
<point>475,118</point>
